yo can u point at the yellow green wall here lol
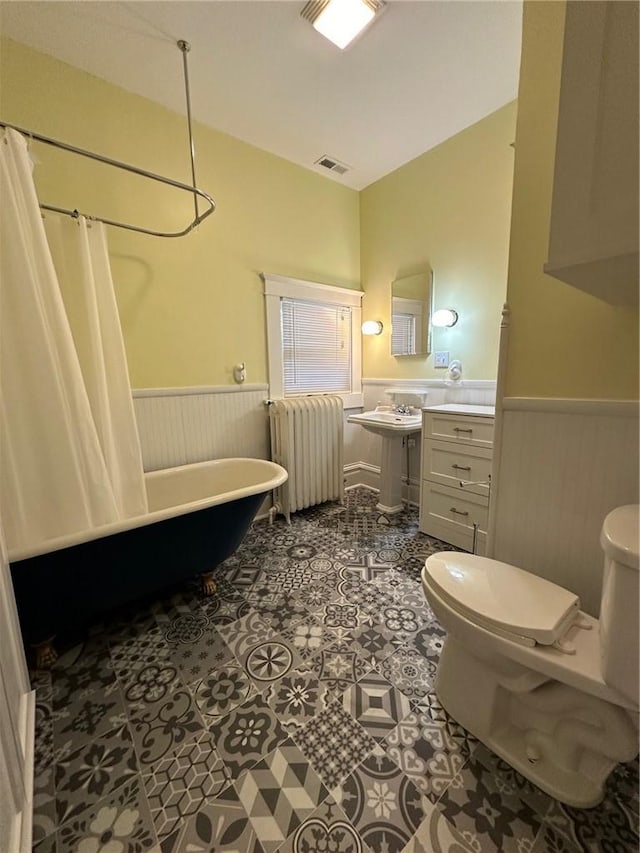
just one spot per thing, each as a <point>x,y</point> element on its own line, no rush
<point>563,342</point>
<point>191,307</point>
<point>448,210</point>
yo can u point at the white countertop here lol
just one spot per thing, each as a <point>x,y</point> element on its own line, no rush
<point>462,409</point>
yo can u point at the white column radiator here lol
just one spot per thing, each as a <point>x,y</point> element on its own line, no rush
<point>307,440</point>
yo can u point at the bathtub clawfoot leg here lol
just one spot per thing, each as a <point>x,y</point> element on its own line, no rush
<point>209,586</point>
<point>46,655</point>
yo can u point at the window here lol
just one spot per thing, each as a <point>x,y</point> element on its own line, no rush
<point>316,347</point>
<point>313,338</point>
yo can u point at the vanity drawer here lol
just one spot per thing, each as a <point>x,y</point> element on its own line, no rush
<point>447,463</point>
<point>449,514</point>
<point>476,431</point>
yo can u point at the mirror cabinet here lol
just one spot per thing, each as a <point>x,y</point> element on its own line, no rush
<point>411,315</point>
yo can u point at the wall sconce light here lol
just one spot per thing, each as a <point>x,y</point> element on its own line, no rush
<point>341,21</point>
<point>372,327</point>
<point>444,317</point>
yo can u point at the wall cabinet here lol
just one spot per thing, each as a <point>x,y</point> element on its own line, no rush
<point>456,446</point>
<point>593,241</point>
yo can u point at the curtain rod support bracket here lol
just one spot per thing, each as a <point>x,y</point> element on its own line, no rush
<point>185,47</point>
<point>192,188</point>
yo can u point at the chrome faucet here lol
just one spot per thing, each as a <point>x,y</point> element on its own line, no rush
<point>402,409</point>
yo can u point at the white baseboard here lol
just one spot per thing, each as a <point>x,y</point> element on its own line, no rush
<point>361,486</point>
<point>368,476</point>
<point>362,474</point>
<point>357,475</point>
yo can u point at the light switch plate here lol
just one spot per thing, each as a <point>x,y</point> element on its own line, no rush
<point>441,358</point>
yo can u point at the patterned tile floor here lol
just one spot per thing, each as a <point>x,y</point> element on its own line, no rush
<point>292,711</point>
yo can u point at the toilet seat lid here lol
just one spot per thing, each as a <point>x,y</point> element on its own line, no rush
<point>502,598</point>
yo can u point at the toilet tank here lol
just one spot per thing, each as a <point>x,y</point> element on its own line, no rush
<point>619,605</point>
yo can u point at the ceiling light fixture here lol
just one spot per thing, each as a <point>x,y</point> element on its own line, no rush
<point>341,21</point>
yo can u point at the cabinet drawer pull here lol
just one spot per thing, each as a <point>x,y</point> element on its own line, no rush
<point>458,511</point>
<point>462,467</point>
<point>463,429</point>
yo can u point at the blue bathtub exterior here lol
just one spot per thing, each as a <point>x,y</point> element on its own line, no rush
<point>61,591</point>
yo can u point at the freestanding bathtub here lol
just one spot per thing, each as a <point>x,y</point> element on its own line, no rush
<point>198,515</point>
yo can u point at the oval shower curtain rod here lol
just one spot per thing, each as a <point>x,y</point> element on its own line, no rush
<point>193,189</point>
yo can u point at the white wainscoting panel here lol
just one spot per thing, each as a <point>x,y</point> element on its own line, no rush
<point>183,425</point>
<point>564,465</point>
<point>161,431</point>
<point>481,392</point>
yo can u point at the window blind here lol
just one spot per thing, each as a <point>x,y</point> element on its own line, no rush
<point>316,347</point>
<point>403,334</point>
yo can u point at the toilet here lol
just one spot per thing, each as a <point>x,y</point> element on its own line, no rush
<point>550,689</point>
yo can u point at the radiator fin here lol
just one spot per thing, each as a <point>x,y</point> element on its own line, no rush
<point>307,440</point>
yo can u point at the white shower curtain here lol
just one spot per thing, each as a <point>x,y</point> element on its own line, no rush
<point>56,477</point>
<point>81,259</point>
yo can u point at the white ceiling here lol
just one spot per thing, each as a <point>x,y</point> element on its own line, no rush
<point>422,72</point>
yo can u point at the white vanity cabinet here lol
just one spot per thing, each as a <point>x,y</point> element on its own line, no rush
<point>457,445</point>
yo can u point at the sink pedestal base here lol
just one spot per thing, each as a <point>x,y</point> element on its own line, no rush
<point>392,427</point>
<point>390,500</point>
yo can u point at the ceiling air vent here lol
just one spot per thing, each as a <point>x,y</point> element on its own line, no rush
<point>333,165</point>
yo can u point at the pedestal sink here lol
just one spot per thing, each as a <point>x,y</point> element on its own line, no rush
<point>392,427</point>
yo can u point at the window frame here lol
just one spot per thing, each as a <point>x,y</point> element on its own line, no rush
<point>277,287</point>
